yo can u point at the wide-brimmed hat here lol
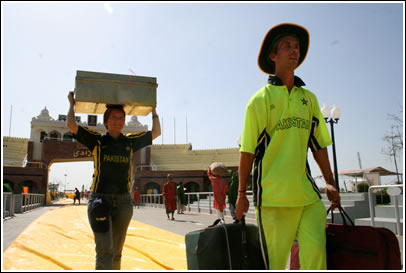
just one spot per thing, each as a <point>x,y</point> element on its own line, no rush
<point>276,32</point>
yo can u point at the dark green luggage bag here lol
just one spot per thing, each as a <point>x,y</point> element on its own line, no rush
<point>224,247</point>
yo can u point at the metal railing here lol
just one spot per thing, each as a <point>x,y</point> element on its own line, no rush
<point>31,201</point>
<point>199,196</point>
<point>156,200</point>
<point>371,205</point>
<point>17,163</point>
<point>19,203</point>
<point>8,204</point>
<point>197,166</point>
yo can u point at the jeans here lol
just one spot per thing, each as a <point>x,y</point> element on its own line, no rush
<point>109,245</point>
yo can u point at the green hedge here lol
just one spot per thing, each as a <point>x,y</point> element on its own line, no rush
<point>362,187</point>
<point>382,197</point>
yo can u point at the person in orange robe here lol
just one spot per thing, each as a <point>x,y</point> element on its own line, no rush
<point>220,189</point>
<point>169,194</point>
<point>136,198</point>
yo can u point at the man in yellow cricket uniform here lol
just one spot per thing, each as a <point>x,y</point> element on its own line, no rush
<point>282,121</point>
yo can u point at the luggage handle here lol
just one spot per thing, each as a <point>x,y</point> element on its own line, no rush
<point>343,215</point>
<point>215,223</point>
<point>244,251</point>
<point>228,247</point>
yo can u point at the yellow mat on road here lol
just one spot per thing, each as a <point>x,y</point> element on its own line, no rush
<point>62,239</point>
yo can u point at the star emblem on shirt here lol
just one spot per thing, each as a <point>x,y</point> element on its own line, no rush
<point>304,101</point>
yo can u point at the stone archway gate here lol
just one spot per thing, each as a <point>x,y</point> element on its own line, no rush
<point>68,151</point>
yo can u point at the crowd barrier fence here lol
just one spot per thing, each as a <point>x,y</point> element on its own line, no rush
<point>19,203</point>
<point>157,200</point>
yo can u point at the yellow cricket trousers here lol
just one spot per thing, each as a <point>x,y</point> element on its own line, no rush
<point>278,227</point>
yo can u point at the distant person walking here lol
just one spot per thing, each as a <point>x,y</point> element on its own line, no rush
<point>169,193</point>
<point>181,198</point>
<point>77,196</point>
<point>232,192</point>
<point>136,198</point>
<point>220,189</point>
<point>110,206</point>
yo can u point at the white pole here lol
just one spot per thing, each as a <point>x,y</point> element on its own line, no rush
<point>186,133</point>
<point>174,130</point>
<point>9,127</point>
<point>162,130</point>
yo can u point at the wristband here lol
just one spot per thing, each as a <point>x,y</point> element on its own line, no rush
<point>242,190</point>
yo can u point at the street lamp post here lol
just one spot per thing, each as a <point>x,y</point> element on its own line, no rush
<point>332,117</point>
<point>65,181</point>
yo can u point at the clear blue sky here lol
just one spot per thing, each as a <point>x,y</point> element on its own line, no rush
<point>204,57</point>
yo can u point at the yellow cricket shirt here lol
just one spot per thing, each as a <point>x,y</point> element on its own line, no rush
<point>279,128</point>
<point>112,158</point>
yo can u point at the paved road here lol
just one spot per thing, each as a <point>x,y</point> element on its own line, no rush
<point>183,223</point>
<point>13,226</point>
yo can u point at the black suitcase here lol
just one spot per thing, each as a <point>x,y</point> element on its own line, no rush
<point>224,247</point>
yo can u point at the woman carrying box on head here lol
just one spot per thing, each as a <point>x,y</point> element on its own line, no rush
<point>112,155</point>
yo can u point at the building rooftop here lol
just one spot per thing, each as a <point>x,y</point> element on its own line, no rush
<point>182,157</point>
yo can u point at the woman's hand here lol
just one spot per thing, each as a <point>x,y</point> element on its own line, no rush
<point>70,121</point>
<point>156,125</point>
<point>71,98</point>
